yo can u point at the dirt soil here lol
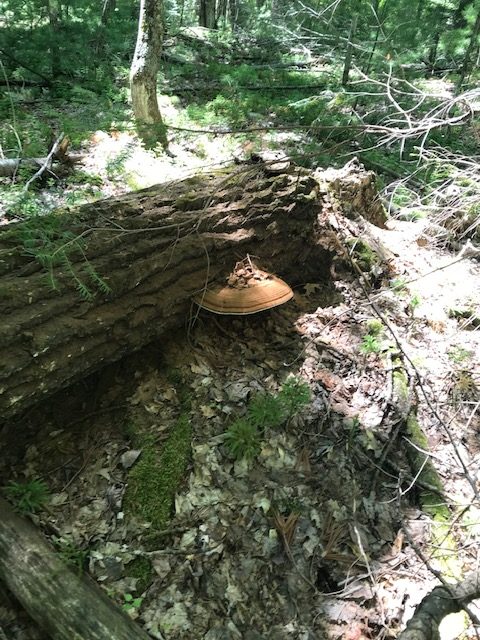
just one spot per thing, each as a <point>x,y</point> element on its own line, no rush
<point>313,538</point>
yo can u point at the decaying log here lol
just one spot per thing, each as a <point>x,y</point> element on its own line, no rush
<point>439,603</point>
<point>65,605</point>
<point>138,260</point>
<point>11,166</point>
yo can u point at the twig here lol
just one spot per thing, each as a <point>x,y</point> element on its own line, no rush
<point>48,159</point>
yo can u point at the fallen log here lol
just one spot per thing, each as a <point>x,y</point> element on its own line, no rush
<point>439,603</point>
<point>83,289</point>
<point>10,166</point>
<point>63,604</point>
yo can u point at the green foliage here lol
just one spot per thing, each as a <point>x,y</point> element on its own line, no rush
<point>414,303</point>
<point>72,555</point>
<point>399,285</point>
<point>28,497</point>
<point>294,395</point>
<point>370,344</point>
<point>47,240</point>
<point>265,411</point>
<point>131,603</point>
<point>374,326</point>
<point>155,478</point>
<point>141,569</point>
<point>243,439</point>
<point>459,355</point>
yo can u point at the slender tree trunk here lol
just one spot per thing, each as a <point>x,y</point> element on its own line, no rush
<point>233,6</point>
<point>107,9</point>
<point>144,71</point>
<point>467,64</point>
<point>53,17</point>
<point>207,14</point>
<point>432,52</point>
<point>349,51</point>
<point>222,12</point>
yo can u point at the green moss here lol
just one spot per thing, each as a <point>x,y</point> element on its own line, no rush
<point>155,479</point>
<point>141,569</point>
<point>431,500</point>
<point>364,256</point>
<point>192,202</point>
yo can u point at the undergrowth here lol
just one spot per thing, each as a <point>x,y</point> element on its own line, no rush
<point>28,497</point>
<point>265,411</point>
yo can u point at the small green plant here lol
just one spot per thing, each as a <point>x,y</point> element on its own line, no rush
<point>130,603</point>
<point>459,355</point>
<point>414,303</point>
<point>294,395</point>
<point>374,327</point>
<point>243,439</point>
<point>398,285</point>
<point>266,410</point>
<point>370,344</point>
<point>28,497</point>
<point>72,555</point>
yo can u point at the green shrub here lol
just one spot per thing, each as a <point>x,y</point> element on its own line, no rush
<point>243,439</point>
<point>28,497</point>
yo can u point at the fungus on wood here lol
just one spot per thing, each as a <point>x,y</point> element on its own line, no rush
<point>248,290</point>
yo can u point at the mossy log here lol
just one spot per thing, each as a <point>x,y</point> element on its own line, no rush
<point>63,604</point>
<point>83,288</point>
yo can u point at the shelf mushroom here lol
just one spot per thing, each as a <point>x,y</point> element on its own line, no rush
<point>248,290</point>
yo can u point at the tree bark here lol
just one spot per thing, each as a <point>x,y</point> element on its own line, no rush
<point>467,64</point>
<point>207,14</point>
<point>139,259</point>
<point>63,604</point>
<point>349,51</point>
<point>439,603</point>
<point>143,73</point>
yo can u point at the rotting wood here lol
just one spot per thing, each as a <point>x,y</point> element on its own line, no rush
<point>439,603</point>
<point>58,153</point>
<point>63,604</point>
<point>154,250</point>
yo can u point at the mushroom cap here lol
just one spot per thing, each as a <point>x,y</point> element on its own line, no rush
<point>258,295</point>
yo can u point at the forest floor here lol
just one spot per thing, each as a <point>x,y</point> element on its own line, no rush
<point>308,540</point>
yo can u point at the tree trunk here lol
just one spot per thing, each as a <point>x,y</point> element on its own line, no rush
<point>107,9</point>
<point>53,17</point>
<point>120,272</point>
<point>63,604</point>
<point>143,73</point>
<point>349,51</point>
<point>207,14</point>
<point>439,603</point>
<point>467,64</point>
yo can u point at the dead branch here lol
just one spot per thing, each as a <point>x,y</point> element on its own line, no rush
<point>442,601</point>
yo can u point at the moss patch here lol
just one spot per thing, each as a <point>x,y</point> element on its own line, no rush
<point>154,480</point>
<point>141,569</point>
<point>363,254</point>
